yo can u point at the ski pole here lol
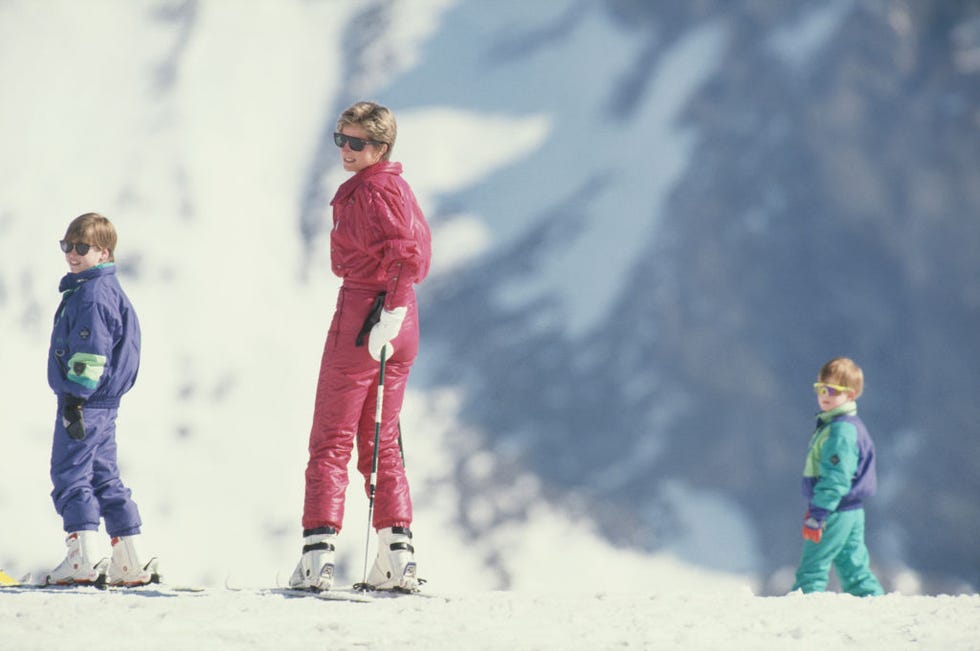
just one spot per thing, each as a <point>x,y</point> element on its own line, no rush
<point>374,467</point>
<point>401,446</point>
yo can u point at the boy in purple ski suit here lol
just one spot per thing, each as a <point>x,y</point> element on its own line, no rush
<point>93,360</point>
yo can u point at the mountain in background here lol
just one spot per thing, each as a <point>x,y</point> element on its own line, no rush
<point>652,224</point>
<point>729,195</point>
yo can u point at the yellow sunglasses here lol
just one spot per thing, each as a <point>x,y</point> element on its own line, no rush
<point>824,389</point>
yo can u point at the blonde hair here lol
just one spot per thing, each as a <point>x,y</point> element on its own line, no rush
<point>844,372</point>
<point>377,120</point>
<point>93,228</point>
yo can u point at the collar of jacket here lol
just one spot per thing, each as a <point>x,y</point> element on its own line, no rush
<point>71,281</point>
<point>351,184</point>
<point>846,409</point>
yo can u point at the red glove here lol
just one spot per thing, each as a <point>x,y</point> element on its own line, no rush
<point>812,530</point>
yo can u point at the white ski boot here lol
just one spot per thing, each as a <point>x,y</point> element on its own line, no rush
<point>125,568</point>
<point>80,565</point>
<point>315,568</point>
<point>394,568</point>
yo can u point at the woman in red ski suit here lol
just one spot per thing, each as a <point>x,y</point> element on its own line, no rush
<point>381,246</point>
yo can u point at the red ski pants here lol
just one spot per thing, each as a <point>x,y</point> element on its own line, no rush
<point>345,408</point>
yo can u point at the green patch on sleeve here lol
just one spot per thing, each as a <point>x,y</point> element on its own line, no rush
<point>812,466</point>
<point>86,369</point>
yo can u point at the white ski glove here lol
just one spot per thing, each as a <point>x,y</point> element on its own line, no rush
<point>384,331</point>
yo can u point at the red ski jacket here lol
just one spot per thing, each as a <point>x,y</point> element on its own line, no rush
<point>380,237</point>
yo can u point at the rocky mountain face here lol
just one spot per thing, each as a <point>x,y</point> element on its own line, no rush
<point>829,206</point>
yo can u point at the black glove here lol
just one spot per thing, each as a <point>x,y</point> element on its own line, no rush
<point>372,319</point>
<point>71,418</point>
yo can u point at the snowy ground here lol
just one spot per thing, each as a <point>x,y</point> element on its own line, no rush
<point>735,619</point>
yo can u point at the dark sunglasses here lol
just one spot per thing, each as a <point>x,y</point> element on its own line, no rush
<point>80,247</point>
<point>356,144</point>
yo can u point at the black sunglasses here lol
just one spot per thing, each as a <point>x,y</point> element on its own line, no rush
<point>356,144</point>
<point>80,247</point>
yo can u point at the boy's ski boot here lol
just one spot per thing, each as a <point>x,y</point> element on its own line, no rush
<point>80,566</point>
<point>125,568</point>
<point>314,571</point>
<point>394,568</point>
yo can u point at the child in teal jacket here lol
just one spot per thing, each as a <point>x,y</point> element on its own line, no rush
<point>839,474</point>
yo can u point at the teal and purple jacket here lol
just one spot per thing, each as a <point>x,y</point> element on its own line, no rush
<point>95,343</point>
<point>840,465</point>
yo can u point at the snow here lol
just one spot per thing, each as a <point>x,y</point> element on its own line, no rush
<point>798,43</point>
<point>203,176</point>
<point>604,132</point>
<point>218,620</point>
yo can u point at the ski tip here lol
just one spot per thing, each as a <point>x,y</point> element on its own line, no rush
<point>8,581</point>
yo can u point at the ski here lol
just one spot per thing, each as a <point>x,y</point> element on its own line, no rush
<point>340,594</point>
<point>368,589</point>
<point>147,589</point>
<point>76,588</point>
<point>358,593</point>
<point>349,595</point>
<point>156,585</point>
<point>6,580</point>
<point>26,582</point>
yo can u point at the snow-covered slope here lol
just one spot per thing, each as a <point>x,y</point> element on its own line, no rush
<point>720,619</point>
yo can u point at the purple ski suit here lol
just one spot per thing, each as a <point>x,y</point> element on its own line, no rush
<point>94,359</point>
